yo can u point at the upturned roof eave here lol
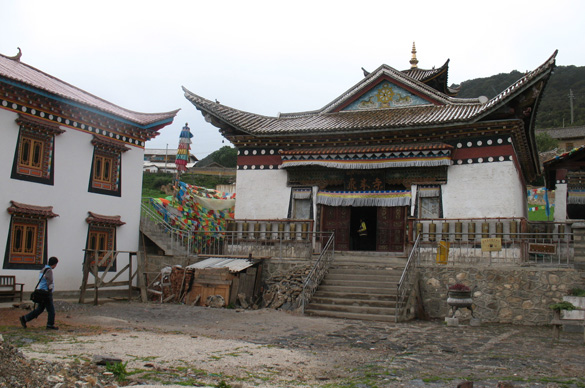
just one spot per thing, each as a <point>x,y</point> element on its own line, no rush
<point>39,82</point>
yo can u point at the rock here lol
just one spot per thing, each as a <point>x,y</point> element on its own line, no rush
<point>505,384</point>
<point>215,301</point>
<point>104,360</point>
<point>242,300</point>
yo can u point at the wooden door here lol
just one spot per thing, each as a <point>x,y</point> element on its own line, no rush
<point>337,219</point>
<point>391,229</point>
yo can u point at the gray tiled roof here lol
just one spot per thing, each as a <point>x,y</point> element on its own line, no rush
<point>19,73</point>
<point>445,111</point>
<point>564,133</point>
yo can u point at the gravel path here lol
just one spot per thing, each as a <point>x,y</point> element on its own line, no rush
<point>266,348</point>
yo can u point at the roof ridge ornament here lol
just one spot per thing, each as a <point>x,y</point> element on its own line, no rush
<point>17,56</point>
<point>413,60</point>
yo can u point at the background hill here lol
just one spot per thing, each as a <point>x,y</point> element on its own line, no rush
<point>555,109</point>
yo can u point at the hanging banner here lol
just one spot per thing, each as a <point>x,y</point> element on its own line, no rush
<point>364,198</point>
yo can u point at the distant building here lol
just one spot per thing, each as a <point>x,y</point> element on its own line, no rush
<point>163,160</point>
<point>70,172</point>
<point>568,138</point>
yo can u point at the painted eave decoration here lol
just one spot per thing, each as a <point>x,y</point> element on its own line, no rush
<point>17,74</point>
<point>384,100</point>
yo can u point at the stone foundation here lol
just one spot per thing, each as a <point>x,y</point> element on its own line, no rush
<point>516,295</point>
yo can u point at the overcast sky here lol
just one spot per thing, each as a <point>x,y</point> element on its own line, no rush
<point>267,57</point>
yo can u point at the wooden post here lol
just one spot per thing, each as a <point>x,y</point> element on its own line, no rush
<point>85,269</point>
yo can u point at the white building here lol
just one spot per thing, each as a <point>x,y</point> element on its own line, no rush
<point>163,160</point>
<point>70,171</point>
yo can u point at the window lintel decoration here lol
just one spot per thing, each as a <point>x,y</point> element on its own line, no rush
<point>38,125</point>
<point>99,219</point>
<point>106,144</point>
<point>24,210</point>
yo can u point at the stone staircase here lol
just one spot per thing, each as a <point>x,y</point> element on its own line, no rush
<point>359,285</point>
<point>163,240</point>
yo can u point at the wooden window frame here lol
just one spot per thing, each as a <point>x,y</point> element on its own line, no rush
<point>97,231</point>
<point>106,180</point>
<point>29,251</point>
<point>35,149</point>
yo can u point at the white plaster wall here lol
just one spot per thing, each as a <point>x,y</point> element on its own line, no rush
<point>262,194</point>
<point>69,196</point>
<point>484,190</point>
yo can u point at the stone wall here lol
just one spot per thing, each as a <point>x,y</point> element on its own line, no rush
<point>517,295</point>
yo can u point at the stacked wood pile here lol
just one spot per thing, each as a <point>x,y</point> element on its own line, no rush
<point>284,288</point>
<point>180,279</point>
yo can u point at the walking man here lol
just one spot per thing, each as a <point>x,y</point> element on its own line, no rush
<point>46,283</point>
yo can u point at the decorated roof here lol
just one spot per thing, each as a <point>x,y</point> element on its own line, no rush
<point>367,149</point>
<point>94,218</point>
<point>31,210</point>
<point>18,73</point>
<point>573,160</point>
<point>385,100</point>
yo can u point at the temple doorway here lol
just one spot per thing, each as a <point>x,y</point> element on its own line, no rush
<point>369,216</point>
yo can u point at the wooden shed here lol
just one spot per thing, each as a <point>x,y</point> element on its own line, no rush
<point>225,276</point>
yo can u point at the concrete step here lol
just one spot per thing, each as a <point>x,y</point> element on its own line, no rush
<point>389,302</point>
<point>383,278</point>
<point>356,296</point>
<point>348,315</point>
<point>359,283</point>
<point>357,290</point>
<point>352,309</point>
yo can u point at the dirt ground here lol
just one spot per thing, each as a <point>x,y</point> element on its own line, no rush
<point>196,346</point>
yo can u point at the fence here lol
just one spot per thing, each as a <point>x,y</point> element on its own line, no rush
<point>407,280</point>
<point>262,238</point>
<point>544,249</point>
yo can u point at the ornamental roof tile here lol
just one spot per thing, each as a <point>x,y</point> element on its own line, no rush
<point>95,218</point>
<point>34,210</point>
<point>368,149</point>
<point>444,111</point>
<point>19,73</point>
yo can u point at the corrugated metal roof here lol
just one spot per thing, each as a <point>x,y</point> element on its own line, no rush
<point>234,265</point>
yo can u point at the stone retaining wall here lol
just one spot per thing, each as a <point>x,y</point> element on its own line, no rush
<point>517,295</point>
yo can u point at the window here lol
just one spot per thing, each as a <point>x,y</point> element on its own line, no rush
<point>429,202</point>
<point>106,167</point>
<point>569,147</point>
<point>301,204</point>
<point>26,247</point>
<point>33,159</point>
<point>101,238</point>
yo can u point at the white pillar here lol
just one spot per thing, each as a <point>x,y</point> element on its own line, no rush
<point>561,202</point>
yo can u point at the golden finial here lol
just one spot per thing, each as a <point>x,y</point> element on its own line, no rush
<point>413,61</point>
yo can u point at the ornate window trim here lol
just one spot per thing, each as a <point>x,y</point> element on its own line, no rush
<point>35,149</point>
<point>101,235</point>
<point>106,167</point>
<point>26,246</point>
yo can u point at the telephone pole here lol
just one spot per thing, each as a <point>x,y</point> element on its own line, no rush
<point>571,98</point>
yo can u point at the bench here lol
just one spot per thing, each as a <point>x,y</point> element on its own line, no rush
<point>9,287</point>
<point>557,322</point>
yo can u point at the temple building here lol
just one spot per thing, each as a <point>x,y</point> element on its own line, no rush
<point>397,146</point>
<point>71,172</point>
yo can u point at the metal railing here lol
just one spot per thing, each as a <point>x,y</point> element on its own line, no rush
<point>261,238</point>
<point>318,272</point>
<point>407,280</point>
<point>524,249</point>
